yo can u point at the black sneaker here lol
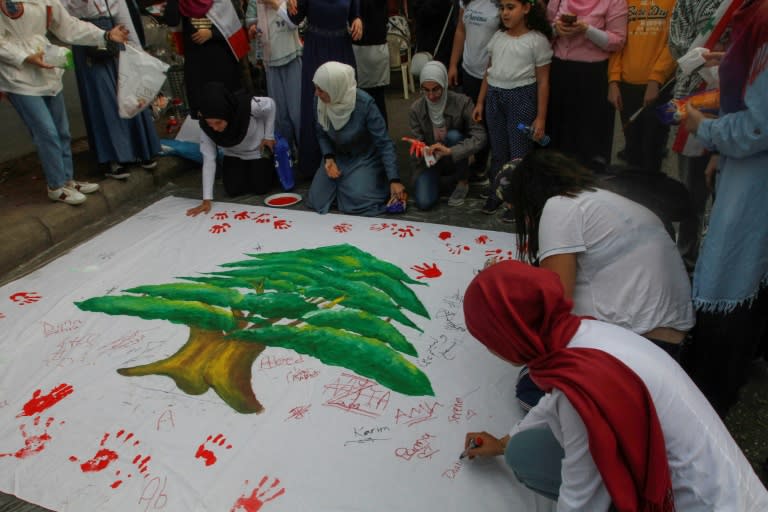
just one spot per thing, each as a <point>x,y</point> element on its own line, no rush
<point>491,205</point>
<point>117,171</point>
<point>508,216</point>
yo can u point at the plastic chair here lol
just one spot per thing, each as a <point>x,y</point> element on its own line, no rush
<point>399,42</point>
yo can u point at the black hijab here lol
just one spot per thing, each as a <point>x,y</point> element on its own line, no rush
<point>217,102</point>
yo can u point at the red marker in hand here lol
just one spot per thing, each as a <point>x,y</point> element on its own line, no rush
<point>473,443</point>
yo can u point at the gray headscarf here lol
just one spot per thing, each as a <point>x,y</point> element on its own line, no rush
<point>434,71</point>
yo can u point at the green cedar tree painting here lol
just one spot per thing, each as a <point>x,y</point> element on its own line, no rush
<point>334,303</point>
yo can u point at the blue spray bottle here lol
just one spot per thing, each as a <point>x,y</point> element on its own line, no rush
<point>543,141</point>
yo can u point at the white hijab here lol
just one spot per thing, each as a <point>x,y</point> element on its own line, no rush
<point>434,71</point>
<point>338,80</point>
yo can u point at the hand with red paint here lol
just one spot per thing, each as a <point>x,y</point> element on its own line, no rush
<point>427,271</point>
<point>483,444</point>
<point>417,147</point>
<point>258,496</point>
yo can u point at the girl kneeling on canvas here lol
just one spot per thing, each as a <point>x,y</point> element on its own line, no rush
<point>359,170</point>
<point>515,88</point>
<point>622,426</point>
<point>243,127</point>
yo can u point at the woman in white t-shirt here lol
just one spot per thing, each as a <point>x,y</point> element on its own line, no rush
<point>614,256</point>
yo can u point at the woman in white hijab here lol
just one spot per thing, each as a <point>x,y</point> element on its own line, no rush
<point>359,171</point>
<point>442,119</point>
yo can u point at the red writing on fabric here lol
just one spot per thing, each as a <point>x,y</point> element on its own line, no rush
<point>260,495</point>
<point>456,410</point>
<point>358,395</point>
<point>153,495</point>
<point>216,443</point>
<point>298,413</point>
<point>423,412</point>
<point>166,421</point>
<point>60,327</point>
<point>301,374</point>
<point>40,402</point>
<point>270,362</point>
<point>452,471</point>
<point>421,449</point>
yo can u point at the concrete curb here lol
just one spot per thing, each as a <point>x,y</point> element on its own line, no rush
<point>31,230</point>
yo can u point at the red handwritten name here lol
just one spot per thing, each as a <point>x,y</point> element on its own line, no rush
<point>420,449</point>
<point>270,362</point>
<point>456,410</point>
<point>425,411</point>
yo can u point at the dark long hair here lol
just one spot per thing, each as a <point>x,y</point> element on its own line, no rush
<point>542,174</point>
<point>536,19</point>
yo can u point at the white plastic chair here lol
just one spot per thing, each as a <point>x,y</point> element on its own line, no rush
<point>399,42</point>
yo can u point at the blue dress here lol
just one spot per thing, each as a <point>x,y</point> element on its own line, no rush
<point>366,157</point>
<point>326,39</point>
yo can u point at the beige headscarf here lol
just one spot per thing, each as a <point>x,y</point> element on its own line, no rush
<point>338,80</point>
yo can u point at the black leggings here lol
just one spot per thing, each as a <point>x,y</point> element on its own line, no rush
<point>248,176</point>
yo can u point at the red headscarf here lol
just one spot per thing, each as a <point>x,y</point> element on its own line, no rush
<point>520,313</point>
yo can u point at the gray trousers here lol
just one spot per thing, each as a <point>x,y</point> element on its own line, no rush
<point>283,86</point>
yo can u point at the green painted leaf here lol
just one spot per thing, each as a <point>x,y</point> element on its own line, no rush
<point>367,357</point>
<point>277,305</point>
<point>375,308</point>
<point>396,290</point>
<point>361,323</point>
<point>206,293</point>
<point>195,314</point>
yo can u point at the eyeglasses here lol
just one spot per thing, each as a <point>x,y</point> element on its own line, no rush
<point>433,90</point>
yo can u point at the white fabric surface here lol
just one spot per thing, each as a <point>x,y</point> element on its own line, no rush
<point>708,470</point>
<point>323,460</point>
<point>514,59</point>
<point>629,271</point>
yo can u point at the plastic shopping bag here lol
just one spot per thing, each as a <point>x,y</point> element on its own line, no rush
<point>139,78</point>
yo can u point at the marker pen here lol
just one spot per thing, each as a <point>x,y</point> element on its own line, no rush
<point>473,443</point>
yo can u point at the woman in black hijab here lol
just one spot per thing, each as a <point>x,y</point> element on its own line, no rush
<point>243,128</point>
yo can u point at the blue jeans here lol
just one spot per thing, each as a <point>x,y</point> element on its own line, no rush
<point>536,457</point>
<point>426,188</point>
<point>47,122</point>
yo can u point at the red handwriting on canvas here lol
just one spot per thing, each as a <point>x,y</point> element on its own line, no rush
<point>218,442</point>
<point>500,254</point>
<point>298,412</point>
<point>123,342</point>
<point>219,228</point>
<point>281,224</point>
<point>359,395</point>
<point>470,413</point>
<point>109,446</point>
<point>269,362</point>
<point>40,402</point>
<point>60,327</point>
<point>153,494</point>
<point>344,227</point>
<point>456,410</point>
<point>427,271</point>
<point>452,471</point>
<point>301,374</point>
<point>242,215</point>
<point>445,235</point>
<point>32,443</point>
<point>259,496</point>
<point>166,421</point>
<point>457,248</point>
<point>220,216</point>
<point>420,449</point>
<point>23,298</point>
<point>482,240</point>
<point>425,411</point>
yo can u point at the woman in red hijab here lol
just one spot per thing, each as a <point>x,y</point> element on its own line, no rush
<point>620,426</point>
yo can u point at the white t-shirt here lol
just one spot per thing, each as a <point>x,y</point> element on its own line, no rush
<point>261,126</point>
<point>708,470</point>
<point>628,270</point>
<point>514,59</point>
<point>481,20</point>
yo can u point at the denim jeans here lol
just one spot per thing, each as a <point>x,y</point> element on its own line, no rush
<point>426,188</point>
<point>536,457</point>
<point>47,122</point>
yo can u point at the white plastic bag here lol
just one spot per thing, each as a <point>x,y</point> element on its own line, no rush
<point>139,78</point>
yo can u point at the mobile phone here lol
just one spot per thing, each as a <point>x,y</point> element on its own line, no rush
<point>568,19</point>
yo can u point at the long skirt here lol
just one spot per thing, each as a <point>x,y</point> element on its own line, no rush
<point>110,138</point>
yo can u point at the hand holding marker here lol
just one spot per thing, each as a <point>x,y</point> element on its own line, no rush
<point>476,442</point>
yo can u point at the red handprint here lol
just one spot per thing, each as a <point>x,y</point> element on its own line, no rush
<point>404,231</point>
<point>427,271</point>
<point>22,298</point>
<point>258,497</point>
<point>32,444</point>
<point>482,240</point>
<point>104,457</point>
<point>220,216</point>
<point>458,248</point>
<point>417,147</point>
<point>379,227</point>
<point>207,455</point>
<point>39,402</point>
<point>281,224</point>
<point>219,228</point>
<point>445,235</point>
<point>500,254</point>
<point>263,218</point>
<point>242,215</point>
<point>342,228</point>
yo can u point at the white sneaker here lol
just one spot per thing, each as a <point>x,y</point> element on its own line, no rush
<point>67,195</point>
<point>83,186</point>
<point>148,164</point>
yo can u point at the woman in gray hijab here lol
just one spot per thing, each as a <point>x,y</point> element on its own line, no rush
<point>442,120</point>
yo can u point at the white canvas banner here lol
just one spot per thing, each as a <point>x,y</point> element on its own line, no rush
<point>254,359</point>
